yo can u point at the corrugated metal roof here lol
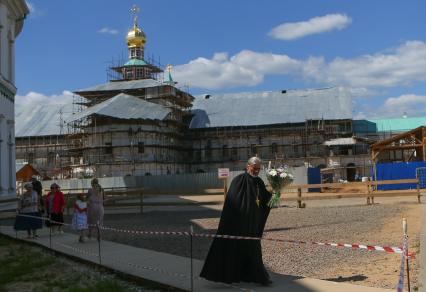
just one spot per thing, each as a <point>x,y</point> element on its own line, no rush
<point>124,106</point>
<point>135,62</point>
<point>41,120</point>
<point>265,108</point>
<point>122,85</point>
<point>19,166</point>
<point>398,125</point>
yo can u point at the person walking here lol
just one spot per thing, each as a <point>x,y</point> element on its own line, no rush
<point>39,189</point>
<point>95,207</point>
<point>79,220</point>
<point>244,213</point>
<point>27,213</point>
<point>55,206</point>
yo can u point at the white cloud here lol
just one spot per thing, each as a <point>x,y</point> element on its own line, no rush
<point>107,30</point>
<point>247,68</point>
<point>400,66</point>
<point>320,24</point>
<point>411,105</point>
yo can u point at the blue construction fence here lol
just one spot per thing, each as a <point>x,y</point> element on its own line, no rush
<point>400,170</point>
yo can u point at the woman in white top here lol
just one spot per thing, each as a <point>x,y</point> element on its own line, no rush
<point>27,212</point>
<point>79,220</point>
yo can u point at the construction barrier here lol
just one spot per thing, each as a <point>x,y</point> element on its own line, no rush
<point>403,250</point>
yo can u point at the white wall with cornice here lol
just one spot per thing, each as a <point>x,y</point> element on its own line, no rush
<point>12,15</point>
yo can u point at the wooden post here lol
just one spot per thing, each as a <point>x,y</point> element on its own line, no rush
<point>225,188</point>
<point>424,149</point>
<point>299,198</point>
<point>418,191</point>
<point>141,198</point>
<point>368,193</point>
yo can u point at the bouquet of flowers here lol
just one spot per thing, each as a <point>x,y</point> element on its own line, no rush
<point>278,178</point>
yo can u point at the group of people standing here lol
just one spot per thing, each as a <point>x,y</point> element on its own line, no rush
<point>244,213</point>
<point>88,210</point>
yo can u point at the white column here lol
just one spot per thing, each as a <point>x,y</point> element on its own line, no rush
<point>11,145</point>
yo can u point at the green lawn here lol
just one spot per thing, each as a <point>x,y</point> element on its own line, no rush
<point>27,268</point>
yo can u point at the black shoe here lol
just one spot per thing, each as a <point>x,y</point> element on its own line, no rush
<point>266,283</point>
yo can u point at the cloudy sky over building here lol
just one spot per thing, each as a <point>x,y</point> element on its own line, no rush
<point>376,48</point>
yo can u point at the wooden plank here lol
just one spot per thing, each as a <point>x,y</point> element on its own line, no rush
<point>213,191</point>
<point>407,146</point>
<point>414,191</point>
<point>325,197</point>
<point>330,185</point>
<point>11,200</point>
<point>394,182</point>
<point>122,192</point>
<point>346,196</point>
<point>352,184</point>
<point>401,194</point>
<point>187,203</point>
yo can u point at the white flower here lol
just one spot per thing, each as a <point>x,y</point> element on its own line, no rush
<point>280,169</point>
<point>290,176</point>
<point>272,172</point>
<point>283,175</point>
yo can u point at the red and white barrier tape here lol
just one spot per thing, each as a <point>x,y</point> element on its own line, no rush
<point>388,249</point>
<point>400,287</point>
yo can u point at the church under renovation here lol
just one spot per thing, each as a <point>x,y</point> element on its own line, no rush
<point>141,123</point>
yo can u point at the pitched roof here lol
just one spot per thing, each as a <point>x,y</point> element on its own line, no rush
<point>271,107</point>
<point>124,106</point>
<point>122,85</point>
<point>41,120</point>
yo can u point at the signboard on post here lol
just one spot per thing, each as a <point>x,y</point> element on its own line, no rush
<point>223,173</point>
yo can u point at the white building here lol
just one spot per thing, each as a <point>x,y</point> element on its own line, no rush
<point>12,15</point>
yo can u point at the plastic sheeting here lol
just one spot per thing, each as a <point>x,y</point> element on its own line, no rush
<point>401,170</point>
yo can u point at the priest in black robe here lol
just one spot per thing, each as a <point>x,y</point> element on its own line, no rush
<point>244,213</point>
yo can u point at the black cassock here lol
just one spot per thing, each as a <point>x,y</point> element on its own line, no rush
<point>233,260</point>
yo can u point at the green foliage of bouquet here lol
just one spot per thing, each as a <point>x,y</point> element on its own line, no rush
<point>278,178</point>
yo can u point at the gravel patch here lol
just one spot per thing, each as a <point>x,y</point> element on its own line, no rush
<point>344,224</point>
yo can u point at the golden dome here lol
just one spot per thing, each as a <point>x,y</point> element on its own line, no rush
<point>135,37</point>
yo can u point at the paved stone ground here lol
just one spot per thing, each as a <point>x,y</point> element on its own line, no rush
<point>170,270</point>
<point>347,221</point>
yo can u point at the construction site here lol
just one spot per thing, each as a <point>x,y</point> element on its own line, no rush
<point>141,123</point>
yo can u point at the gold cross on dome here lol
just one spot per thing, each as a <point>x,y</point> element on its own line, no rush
<point>135,10</point>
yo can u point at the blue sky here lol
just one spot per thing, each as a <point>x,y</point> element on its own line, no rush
<point>376,48</point>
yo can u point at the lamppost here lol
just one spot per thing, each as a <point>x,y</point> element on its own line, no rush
<point>58,162</point>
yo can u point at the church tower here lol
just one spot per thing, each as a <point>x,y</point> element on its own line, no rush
<point>136,67</point>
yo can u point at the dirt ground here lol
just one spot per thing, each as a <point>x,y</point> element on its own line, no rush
<point>340,221</point>
<point>383,270</point>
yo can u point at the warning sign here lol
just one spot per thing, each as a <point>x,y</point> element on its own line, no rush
<point>223,172</point>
